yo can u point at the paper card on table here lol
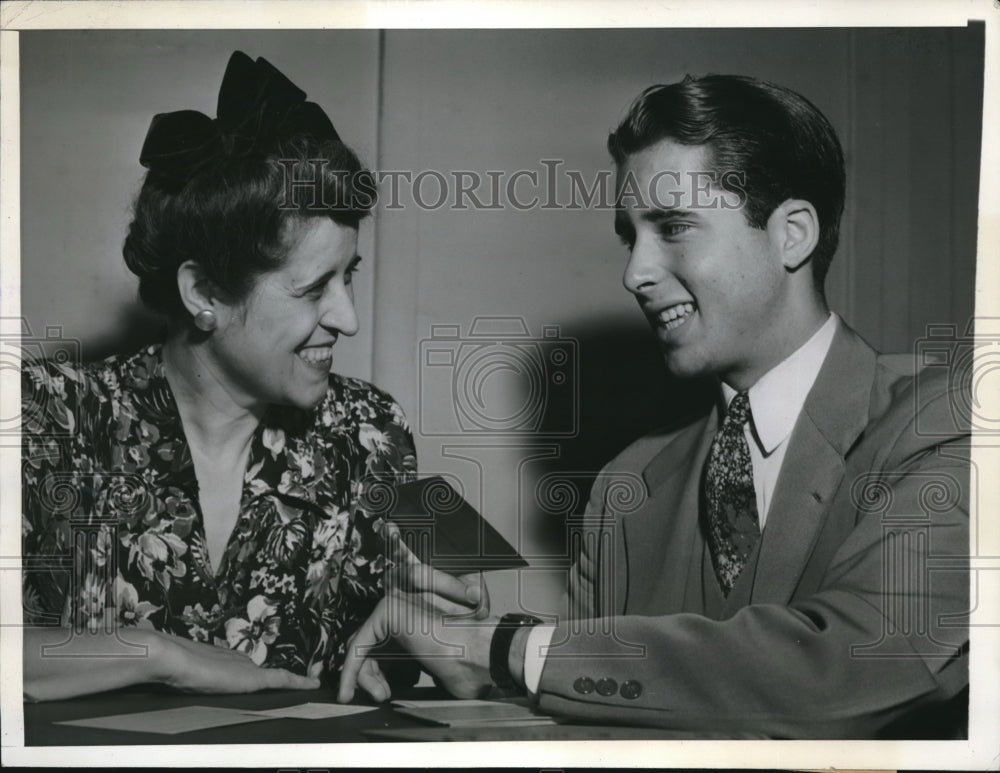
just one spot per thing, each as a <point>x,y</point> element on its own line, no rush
<point>313,711</point>
<point>464,715</point>
<point>445,531</point>
<point>168,721</point>
<point>440,704</point>
<point>516,722</point>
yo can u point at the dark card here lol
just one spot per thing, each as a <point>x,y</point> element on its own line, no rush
<point>445,531</point>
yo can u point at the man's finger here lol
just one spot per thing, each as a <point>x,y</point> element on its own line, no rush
<point>352,666</point>
<point>443,606</point>
<point>371,632</point>
<point>371,680</point>
<point>477,579</point>
<point>414,576</point>
<point>398,550</point>
<point>423,577</point>
<point>402,558</point>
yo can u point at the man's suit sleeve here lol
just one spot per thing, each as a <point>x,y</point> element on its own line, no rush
<point>811,668</point>
<point>583,576</point>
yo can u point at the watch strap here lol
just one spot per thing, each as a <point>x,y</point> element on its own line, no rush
<point>503,636</point>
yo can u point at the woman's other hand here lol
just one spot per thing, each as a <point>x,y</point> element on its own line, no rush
<point>202,668</point>
<point>91,663</point>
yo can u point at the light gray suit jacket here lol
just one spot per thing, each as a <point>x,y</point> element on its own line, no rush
<point>847,620</point>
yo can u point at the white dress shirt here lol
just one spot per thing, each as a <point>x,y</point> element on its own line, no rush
<point>776,401</point>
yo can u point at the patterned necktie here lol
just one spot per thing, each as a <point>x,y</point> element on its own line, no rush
<point>730,502</point>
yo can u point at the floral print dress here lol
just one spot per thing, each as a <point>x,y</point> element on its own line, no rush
<point>113,533</point>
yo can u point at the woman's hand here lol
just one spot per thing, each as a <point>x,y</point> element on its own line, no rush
<point>203,668</point>
<point>91,663</point>
<point>417,595</point>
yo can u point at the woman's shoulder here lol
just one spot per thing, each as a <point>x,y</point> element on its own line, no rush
<point>108,376</point>
<point>61,380</point>
<point>60,388</point>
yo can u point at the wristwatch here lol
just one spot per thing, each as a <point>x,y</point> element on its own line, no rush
<point>503,635</point>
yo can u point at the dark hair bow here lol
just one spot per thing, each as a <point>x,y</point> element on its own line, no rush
<point>257,105</point>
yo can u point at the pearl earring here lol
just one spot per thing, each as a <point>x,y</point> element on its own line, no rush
<point>206,320</point>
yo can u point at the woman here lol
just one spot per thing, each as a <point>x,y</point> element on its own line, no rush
<point>209,490</point>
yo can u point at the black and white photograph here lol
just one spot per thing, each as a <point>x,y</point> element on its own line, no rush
<point>393,373</point>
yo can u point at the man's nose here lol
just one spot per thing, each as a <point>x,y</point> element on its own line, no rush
<point>645,267</point>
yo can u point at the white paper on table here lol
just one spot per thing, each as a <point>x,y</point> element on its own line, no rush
<point>476,713</point>
<point>168,721</point>
<point>312,711</point>
<point>513,722</point>
<point>442,704</point>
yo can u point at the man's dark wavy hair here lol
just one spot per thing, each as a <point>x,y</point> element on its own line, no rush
<point>784,146</point>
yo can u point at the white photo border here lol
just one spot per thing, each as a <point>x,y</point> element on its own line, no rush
<point>981,751</point>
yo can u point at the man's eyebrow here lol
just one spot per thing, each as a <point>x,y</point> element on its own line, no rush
<point>657,215</point>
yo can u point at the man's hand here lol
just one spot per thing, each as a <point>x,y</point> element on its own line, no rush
<point>454,649</point>
<point>418,599</point>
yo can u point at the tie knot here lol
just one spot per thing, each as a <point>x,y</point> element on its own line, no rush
<point>739,410</point>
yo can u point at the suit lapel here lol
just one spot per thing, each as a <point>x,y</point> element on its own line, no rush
<point>660,538</point>
<point>834,415</point>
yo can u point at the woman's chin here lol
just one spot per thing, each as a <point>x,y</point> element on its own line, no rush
<point>306,395</point>
<point>309,401</point>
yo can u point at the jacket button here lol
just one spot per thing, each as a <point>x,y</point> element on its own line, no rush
<point>631,690</point>
<point>584,685</point>
<point>607,686</point>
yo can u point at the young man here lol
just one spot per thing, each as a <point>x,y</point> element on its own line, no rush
<point>775,581</point>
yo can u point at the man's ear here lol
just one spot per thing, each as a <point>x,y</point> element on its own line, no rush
<point>794,227</point>
<point>196,291</point>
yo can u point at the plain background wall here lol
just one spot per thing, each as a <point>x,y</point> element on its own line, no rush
<point>87,98</point>
<point>907,105</point>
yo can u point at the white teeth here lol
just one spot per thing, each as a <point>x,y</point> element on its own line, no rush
<point>317,355</point>
<point>675,315</point>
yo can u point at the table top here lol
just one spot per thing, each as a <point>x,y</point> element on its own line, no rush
<point>40,718</point>
<point>382,724</point>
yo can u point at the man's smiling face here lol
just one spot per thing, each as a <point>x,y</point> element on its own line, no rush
<point>713,288</point>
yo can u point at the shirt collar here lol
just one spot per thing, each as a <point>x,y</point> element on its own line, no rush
<point>778,396</point>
